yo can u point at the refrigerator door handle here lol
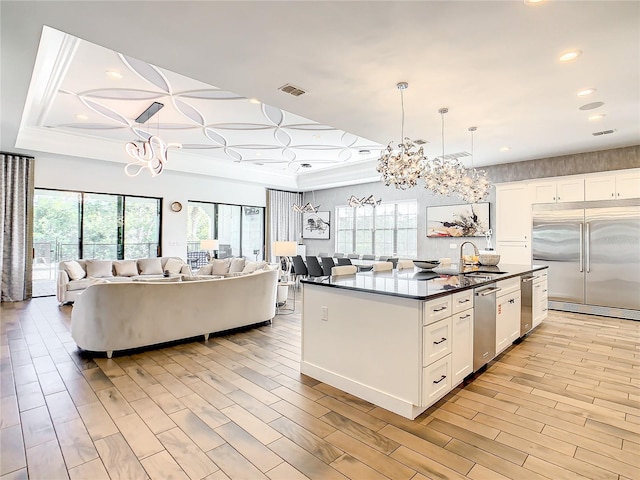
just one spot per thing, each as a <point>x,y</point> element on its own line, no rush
<point>587,249</point>
<point>581,247</point>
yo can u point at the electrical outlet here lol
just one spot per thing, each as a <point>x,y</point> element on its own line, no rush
<point>324,313</point>
<point>453,246</point>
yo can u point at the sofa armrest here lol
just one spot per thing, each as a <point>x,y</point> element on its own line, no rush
<point>61,285</point>
<point>186,270</point>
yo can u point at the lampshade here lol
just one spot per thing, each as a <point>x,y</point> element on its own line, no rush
<point>285,249</point>
<point>210,244</point>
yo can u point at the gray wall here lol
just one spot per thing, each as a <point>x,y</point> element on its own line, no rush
<point>591,162</point>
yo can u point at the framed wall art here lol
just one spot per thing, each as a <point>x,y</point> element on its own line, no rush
<point>316,225</point>
<point>467,220</point>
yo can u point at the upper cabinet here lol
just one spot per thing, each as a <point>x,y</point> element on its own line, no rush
<point>513,209</point>
<point>566,190</point>
<point>613,186</point>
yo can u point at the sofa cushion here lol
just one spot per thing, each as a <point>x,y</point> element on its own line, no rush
<point>237,265</point>
<point>174,265</point>
<point>204,270</point>
<point>81,284</point>
<point>99,268</point>
<point>150,266</point>
<point>220,266</point>
<point>74,270</point>
<point>250,267</point>
<point>125,268</point>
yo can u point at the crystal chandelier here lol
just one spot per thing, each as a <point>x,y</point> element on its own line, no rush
<point>354,201</point>
<point>475,185</point>
<point>404,167</point>
<point>443,175</point>
<point>308,208</point>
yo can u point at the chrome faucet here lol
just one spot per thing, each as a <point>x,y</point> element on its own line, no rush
<point>475,251</point>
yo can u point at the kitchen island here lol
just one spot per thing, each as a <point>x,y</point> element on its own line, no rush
<point>401,339</point>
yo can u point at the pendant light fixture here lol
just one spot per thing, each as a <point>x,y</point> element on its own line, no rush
<point>475,184</point>
<point>402,168</point>
<point>443,175</point>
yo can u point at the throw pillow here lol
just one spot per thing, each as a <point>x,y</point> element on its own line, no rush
<point>237,265</point>
<point>99,268</point>
<point>74,270</point>
<point>150,266</point>
<point>250,267</point>
<point>126,268</point>
<point>204,270</point>
<point>174,265</point>
<point>220,266</point>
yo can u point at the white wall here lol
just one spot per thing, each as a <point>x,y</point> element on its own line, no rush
<point>72,173</point>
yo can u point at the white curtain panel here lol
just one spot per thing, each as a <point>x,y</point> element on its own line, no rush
<point>16,242</point>
<point>283,224</point>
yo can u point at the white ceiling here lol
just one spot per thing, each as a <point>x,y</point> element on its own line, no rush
<point>493,64</point>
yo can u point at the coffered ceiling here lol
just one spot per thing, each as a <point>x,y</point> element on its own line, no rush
<point>217,68</point>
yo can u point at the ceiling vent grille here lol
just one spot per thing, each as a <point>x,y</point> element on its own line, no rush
<point>420,142</point>
<point>292,90</point>
<point>603,132</point>
<point>455,156</point>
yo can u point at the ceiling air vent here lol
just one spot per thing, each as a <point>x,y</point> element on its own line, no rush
<point>292,90</point>
<point>455,156</point>
<point>420,142</point>
<point>603,132</point>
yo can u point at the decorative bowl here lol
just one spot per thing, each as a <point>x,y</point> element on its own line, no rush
<point>426,264</point>
<point>489,258</point>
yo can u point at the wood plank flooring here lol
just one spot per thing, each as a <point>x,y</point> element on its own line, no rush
<point>562,404</point>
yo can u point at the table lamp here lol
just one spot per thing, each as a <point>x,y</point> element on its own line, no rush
<point>285,250</point>
<point>210,245</point>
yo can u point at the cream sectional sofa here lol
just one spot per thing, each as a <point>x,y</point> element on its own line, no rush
<point>116,316</point>
<point>75,276</point>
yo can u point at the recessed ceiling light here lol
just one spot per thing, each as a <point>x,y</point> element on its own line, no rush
<point>505,149</point>
<point>82,117</point>
<point>585,91</point>
<point>599,116</point>
<point>255,101</point>
<point>591,106</point>
<point>113,74</point>
<point>571,55</point>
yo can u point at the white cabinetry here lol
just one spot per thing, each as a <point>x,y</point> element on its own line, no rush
<point>613,186</point>
<point>437,344</point>
<point>540,301</point>
<point>462,334</point>
<point>508,303</point>
<point>513,223</point>
<point>568,190</point>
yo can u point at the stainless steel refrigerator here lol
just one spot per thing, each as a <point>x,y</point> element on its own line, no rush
<point>593,253</point>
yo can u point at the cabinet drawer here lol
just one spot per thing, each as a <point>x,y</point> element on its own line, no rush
<point>462,301</point>
<point>508,286</point>
<point>436,380</point>
<point>438,309</point>
<point>437,341</point>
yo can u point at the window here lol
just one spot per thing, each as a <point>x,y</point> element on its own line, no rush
<point>388,229</point>
<point>239,229</point>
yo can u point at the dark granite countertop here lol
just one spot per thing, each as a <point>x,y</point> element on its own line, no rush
<point>422,284</point>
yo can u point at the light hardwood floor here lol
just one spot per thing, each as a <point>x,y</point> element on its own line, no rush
<point>563,404</point>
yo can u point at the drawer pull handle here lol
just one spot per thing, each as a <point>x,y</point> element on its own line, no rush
<point>464,316</point>
<point>441,340</point>
<point>463,301</point>
<point>439,309</point>
<point>512,300</point>
<point>544,290</point>
<point>441,379</point>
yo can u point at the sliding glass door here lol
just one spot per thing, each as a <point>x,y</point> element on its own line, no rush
<point>72,225</point>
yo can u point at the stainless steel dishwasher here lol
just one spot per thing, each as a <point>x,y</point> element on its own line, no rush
<point>526,307</point>
<point>484,325</point>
